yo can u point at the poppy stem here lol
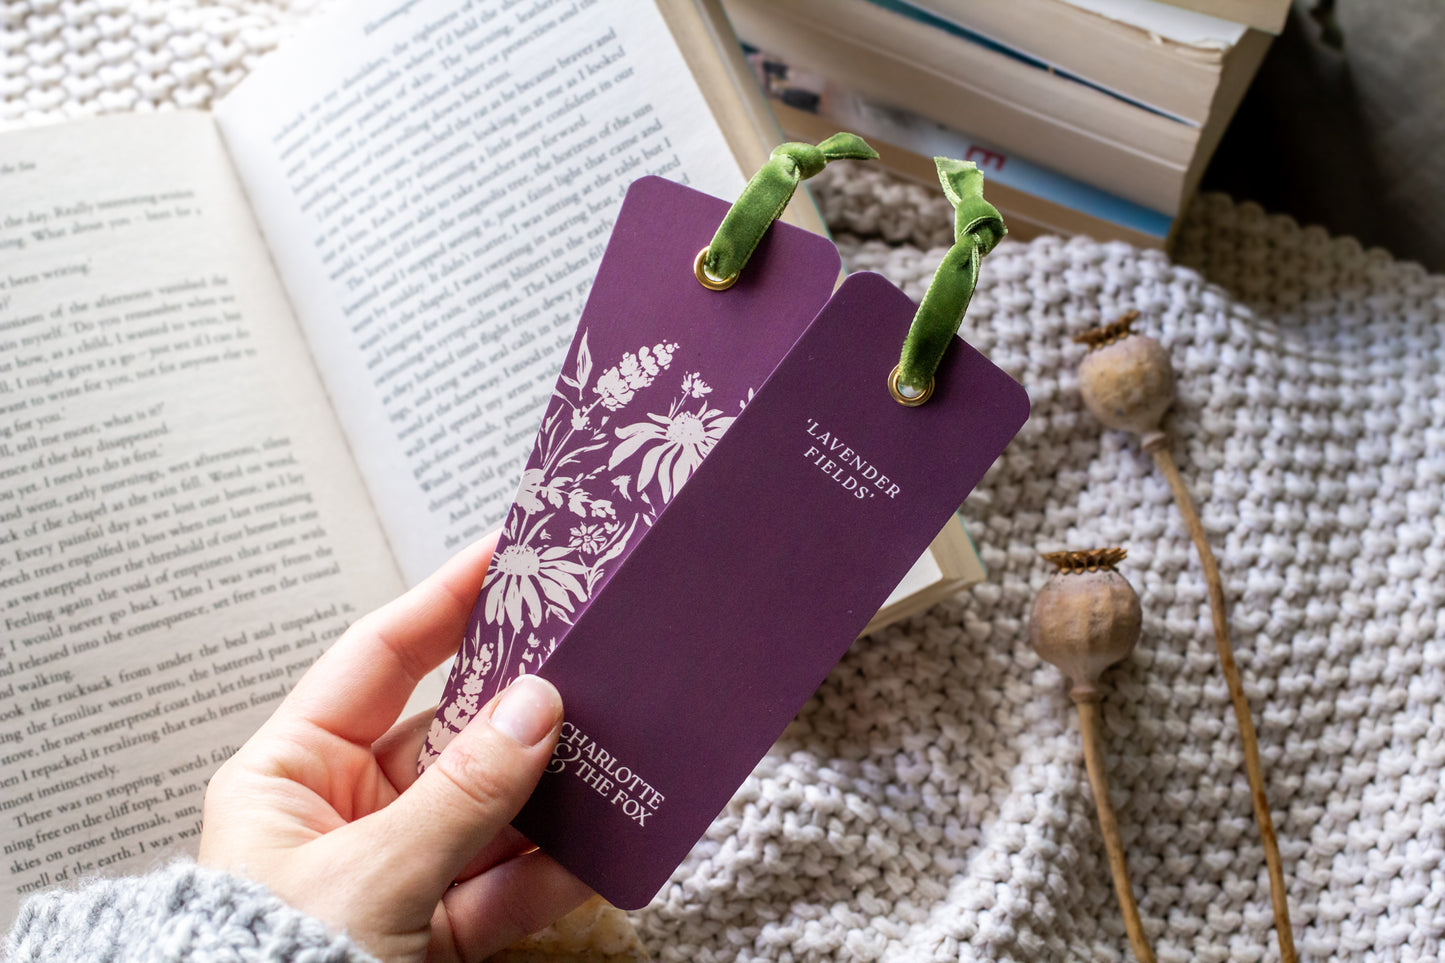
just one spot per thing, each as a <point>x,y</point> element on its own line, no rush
<point>1090,720</point>
<point>1157,445</point>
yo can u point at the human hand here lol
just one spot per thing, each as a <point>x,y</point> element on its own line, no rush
<point>323,805</point>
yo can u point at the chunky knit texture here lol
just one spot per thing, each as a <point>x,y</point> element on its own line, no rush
<point>180,913</point>
<point>930,802</point>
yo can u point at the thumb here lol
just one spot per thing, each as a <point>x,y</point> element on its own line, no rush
<point>473,790</point>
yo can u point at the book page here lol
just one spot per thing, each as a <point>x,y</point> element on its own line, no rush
<point>437,180</point>
<point>182,529</point>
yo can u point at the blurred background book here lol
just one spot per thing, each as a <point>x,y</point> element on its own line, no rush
<point>1089,116</point>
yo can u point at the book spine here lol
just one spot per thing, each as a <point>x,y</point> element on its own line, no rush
<point>1129,152</point>
<point>921,136</point>
<point>961,32</point>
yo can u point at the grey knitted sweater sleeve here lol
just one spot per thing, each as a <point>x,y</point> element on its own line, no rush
<point>181,912</point>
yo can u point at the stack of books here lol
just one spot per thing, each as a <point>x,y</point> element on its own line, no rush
<point>1089,116</point>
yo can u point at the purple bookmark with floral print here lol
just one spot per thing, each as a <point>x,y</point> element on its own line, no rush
<point>751,584</point>
<point>658,369</point>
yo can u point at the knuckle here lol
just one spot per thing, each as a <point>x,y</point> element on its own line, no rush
<point>479,773</point>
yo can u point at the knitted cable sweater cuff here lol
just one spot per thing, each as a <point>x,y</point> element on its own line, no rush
<point>181,912</point>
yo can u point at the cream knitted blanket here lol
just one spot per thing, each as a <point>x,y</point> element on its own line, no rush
<point>930,802</point>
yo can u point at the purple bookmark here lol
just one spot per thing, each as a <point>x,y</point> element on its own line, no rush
<point>752,584</point>
<point>658,369</point>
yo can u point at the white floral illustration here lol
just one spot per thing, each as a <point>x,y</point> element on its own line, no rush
<point>528,494</point>
<point>675,444</point>
<point>590,539</point>
<point>537,586</point>
<point>536,654</point>
<point>463,706</point>
<point>523,575</point>
<point>616,386</point>
<point>694,387</point>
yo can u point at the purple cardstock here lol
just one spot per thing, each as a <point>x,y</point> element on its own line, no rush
<point>752,584</point>
<point>658,369</point>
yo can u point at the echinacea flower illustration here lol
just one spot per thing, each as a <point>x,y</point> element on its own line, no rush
<point>675,445</point>
<point>522,576</point>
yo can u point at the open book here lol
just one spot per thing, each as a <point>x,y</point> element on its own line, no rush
<point>260,371</point>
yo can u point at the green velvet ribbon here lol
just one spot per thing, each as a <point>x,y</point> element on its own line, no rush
<point>763,199</point>
<point>977,229</point>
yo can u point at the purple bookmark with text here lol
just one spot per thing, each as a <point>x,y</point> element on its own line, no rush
<point>751,584</point>
<point>659,368</point>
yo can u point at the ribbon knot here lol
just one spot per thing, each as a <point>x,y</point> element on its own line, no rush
<point>767,194</point>
<point>811,159</point>
<point>807,159</point>
<point>977,229</point>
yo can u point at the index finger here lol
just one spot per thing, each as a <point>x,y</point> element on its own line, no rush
<point>359,686</point>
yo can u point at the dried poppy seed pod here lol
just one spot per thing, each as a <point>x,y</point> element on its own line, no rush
<point>1086,618</point>
<point>1128,383</point>
<point>1126,378</point>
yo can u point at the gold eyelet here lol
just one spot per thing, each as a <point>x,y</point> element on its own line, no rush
<point>707,280</point>
<point>903,399</point>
